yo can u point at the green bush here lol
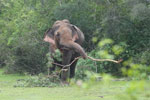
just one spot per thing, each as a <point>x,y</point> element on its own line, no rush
<point>22,47</point>
<point>27,59</point>
<point>105,50</point>
<point>38,81</point>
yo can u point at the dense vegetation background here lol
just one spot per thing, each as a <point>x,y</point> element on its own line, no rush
<point>124,22</point>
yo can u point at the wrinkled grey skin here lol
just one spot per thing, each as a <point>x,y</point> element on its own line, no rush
<point>68,39</point>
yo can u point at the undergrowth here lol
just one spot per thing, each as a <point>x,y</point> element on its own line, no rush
<point>39,81</point>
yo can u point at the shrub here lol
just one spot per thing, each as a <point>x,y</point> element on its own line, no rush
<point>39,81</point>
<point>106,50</point>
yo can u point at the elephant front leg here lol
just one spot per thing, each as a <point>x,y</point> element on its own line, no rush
<point>66,58</point>
<point>72,69</point>
<point>73,66</point>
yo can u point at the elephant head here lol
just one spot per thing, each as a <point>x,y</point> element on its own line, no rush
<point>64,35</point>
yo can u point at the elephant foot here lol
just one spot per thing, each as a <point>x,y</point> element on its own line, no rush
<point>65,78</point>
<point>65,75</point>
<point>64,83</point>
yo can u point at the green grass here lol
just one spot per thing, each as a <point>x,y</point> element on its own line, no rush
<point>113,91</point>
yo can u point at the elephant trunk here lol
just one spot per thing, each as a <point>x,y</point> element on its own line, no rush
<point>76,47</point>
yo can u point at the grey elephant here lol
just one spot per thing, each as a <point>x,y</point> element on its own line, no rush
<point>68,39</point>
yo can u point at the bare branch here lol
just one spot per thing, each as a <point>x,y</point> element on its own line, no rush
<point>68,64</point>
<point>110,60</point>
<point>65,66</point>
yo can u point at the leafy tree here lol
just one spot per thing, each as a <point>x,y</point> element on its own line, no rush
<point>23,23</point>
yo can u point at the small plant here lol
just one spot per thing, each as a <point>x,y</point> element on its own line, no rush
<point>57,55</point>
<point>136,71</point>
<point>39,81</point>
<point>132,90</point>
<point>50,80</point>
<point>49,64</point>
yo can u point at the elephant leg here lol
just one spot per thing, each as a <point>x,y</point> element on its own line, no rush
<point>72,69</point>
<point>67,55</point>
<point>54,66</point>
<point>73,66</point>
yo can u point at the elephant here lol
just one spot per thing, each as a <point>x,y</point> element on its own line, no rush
<point>68,38</point>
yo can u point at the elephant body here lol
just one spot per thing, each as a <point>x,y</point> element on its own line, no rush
<point>68,39</point>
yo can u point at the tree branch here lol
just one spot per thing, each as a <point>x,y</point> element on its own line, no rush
<point>65,66</point>
<point>110,60</point>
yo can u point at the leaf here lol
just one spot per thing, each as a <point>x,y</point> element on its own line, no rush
<point>10,40</point>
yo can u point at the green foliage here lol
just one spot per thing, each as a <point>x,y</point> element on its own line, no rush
<point>57,55</point>
<point>136,71</point>
<point>24,22</point>
<point>88,65</point>
<point>26,59</point>
<point>106,50</point>
<point>124,22</point>
<point>22,32</point>
<point>39,81</point>
<point>131,91</point>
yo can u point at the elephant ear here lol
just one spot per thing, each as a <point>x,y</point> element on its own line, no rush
<point>48,39</point>
<point>77,34</point>
<point>49,35</point>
